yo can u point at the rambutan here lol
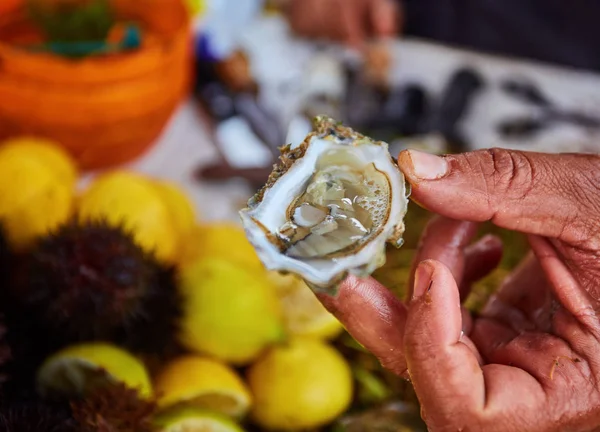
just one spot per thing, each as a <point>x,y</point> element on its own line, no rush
<point>37,416</point>
<point>91,281</point>
<point>113,408</point>
<point>23,347</point>
<point>5,356</point>
<point>5,259</point>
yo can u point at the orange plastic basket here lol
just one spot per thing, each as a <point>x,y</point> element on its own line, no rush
<point>105,110</point>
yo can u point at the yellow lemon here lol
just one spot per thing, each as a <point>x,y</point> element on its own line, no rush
<point>302,385</point>
<point>303,313</point>
<point>133,201</point>
<point>181,209</point>
<point>189,419</point>
<point>196,7</point>
<point>229,312</point>
<point>47,152</point>
<point>73,370</point>
<point>202,383</point>
<point>34,197</point>
<point>221,240</point>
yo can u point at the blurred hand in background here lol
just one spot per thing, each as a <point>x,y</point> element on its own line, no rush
<point>349,21</point>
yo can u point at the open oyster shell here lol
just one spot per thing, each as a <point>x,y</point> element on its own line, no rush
<point>329,208</point>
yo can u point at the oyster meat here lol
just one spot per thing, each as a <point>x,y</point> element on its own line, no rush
<point>329,207</point>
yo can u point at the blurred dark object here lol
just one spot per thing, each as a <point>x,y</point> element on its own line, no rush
<point>552,31</point>
<point>384,113</point>
<point>264,123</point>
<point>463,86</point>
<point>216,100</point>
<point>521,128</point>
<point>257,177</point>
<point>550,113</point>
<point>222,102</point>
<point>235,73</point>
<point>404,109</point>
<point>247,135</point>
<point>363,102</point>
<point>525,91</point>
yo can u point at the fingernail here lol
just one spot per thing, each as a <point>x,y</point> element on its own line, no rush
<point>423,280</point>
<point>424,166</point>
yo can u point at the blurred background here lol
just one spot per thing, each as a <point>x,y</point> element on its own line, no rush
<point>131,134</point>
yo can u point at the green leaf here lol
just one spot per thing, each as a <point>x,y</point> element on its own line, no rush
<point>91,21</point>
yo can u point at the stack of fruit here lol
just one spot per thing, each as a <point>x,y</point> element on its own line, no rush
<point>122,313</point>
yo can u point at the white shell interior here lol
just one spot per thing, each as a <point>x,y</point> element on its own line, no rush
<point>271,214</point>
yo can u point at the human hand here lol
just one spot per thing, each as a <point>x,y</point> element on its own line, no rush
<point>350,21</point>
<point>531,360</point>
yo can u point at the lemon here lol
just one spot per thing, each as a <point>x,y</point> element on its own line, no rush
<point>73,370</point>
<point>132,200</point>
<point>47,152</point>
<point>196,7</point>
<point>195,420</point>
<point>303,313</point>
<point>221,240</point>
<point>36,194</point>
<point>202,383</point>
<point>229,312</point>
<point>302,385</point>
<point>180,208</point>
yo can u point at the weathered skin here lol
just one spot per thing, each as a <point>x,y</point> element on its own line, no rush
<point>531,361</point>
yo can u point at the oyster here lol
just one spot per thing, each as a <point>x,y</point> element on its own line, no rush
<point>329,208</point>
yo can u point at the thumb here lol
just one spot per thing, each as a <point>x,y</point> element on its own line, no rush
<point>551,195</point>
<point>443,364</point>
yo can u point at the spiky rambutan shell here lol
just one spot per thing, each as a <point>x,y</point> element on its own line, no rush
<point>5,352</point>
<point>37,416</point>
<point>5,259</point>
<point>162,309</point>
<point>26,347</point>
<point>91,281</point>
<point>113,408</point>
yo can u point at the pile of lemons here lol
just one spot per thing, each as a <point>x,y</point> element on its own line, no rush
<point>257,341</point>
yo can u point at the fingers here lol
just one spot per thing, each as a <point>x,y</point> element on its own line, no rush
<point>385,17</point>
<point>445,372</point>
<point>373,316</point>
<point>345,20</point>
<point>566,289</point>
<point>352,20</point>
<point>444,240</point>
<point>547,358</point>
<point>548,195</point>
<point>524,300</point>
<point>576,320</point>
